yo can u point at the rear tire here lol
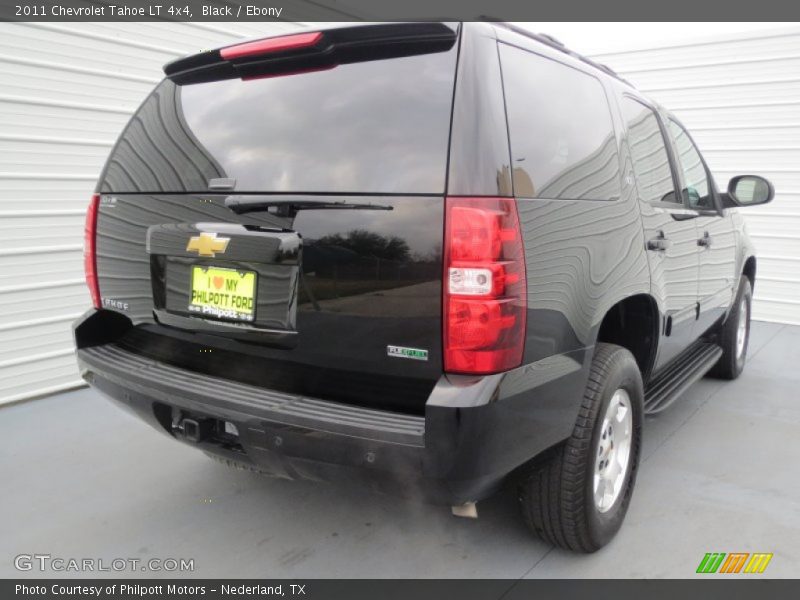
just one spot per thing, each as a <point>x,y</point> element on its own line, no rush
<point>734,335</point>
<point>569,498</point>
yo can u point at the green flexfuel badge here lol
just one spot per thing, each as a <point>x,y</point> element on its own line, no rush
<point>412,353</point>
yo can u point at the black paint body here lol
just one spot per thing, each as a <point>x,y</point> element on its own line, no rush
<point>338,284</point>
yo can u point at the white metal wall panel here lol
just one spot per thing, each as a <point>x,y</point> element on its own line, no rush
<point>68,90</point>
<point>739,96</point>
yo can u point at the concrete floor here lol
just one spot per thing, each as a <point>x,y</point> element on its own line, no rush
<point>80,478</point>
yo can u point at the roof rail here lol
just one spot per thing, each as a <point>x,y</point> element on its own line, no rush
<point>552,42</point>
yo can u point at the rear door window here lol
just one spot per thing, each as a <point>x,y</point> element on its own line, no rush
<point>367,127</point>
<point>649,153</point>
<point>562,137</point>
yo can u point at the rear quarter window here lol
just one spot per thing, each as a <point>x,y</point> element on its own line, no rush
<point>562,138</point>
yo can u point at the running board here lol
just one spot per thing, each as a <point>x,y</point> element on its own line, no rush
<point>669,385</point>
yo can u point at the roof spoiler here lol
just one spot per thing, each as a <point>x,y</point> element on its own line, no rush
<point>314,50</point>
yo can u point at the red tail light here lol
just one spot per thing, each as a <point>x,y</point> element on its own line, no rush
<point>90,250</point>
<point>484,286</point>
<point>268,46</point>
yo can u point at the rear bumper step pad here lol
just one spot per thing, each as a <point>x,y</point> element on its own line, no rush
<point>168,383</point>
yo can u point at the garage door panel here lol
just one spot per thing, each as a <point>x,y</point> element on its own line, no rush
<point>59,46</point>
<point>757,45</point>
<point>699,72</point>
<point>68,86</point>
<point>771,245</point>
<point>747,137</point>
<point>771,286</point>
<point>43,375</point>
<point>28,232</point>
<point>760,160</point>
<point>39,193</point>
<point>183,37</point>
<point>777,266</point>
<point>715,93</point>
<point>35,339</point>
<point>77,201</point>
<point>180,36</point>
<point>730,115</point>
<point>776,310</point>
<point>766,225</point>
<point>46,157</point>
<point>41,267</point>
<point>28,305</point>
<point>23,119</point>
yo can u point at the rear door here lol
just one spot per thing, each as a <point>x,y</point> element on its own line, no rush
<point>280,222</point>
<point>669,227</point>
<point>716,239</point>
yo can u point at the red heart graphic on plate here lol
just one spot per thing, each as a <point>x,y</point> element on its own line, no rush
<point>218,281</point>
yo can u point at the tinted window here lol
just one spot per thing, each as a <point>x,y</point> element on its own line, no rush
<point>562,138</point>
<point>649,153</point>
<point>695,178</point>
<point>379,126</point>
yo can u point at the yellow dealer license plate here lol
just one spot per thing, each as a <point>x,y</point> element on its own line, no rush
<point>223,293</point>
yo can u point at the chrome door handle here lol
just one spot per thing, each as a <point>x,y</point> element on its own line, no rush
<point>704,241</point>
<point>659,244</point>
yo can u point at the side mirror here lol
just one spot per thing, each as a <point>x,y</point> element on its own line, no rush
<point>748,190</point>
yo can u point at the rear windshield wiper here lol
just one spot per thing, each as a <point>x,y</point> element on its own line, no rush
<point>289,207</point>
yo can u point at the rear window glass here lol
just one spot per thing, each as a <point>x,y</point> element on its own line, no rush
<point>379,126</point>
<point>562,138</point>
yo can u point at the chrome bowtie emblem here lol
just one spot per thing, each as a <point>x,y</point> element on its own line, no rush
<point>207,244</point>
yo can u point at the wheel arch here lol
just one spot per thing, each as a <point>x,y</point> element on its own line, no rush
<point>633,323</point>
<point>749,270</point>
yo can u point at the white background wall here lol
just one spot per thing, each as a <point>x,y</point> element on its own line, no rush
<point>68,89</point>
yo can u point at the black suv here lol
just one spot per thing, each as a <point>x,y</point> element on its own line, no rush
<point>432,257</point>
